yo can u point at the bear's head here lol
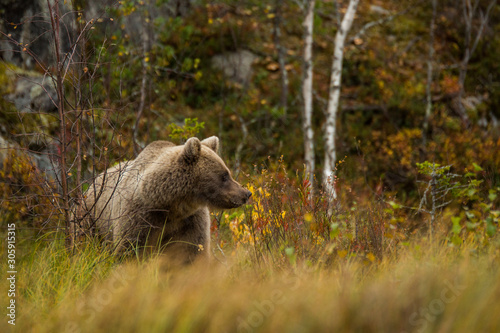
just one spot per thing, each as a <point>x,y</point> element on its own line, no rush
<point>215,186</point>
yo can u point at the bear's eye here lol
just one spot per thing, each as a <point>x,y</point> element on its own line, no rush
<point>225,176</point>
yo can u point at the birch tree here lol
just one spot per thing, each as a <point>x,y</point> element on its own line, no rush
<point>281,54</point>
<point>146,46</point>
<point>307,92</point>
<point>470,9</point>
<point>428,108</point>
<point>333,100</point>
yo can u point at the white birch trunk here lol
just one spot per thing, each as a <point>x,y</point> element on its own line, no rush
<point>281,55</point>
<point>333,100</point>
<point>469,12</point>
<point>307,93</point>
<point>428,108</point>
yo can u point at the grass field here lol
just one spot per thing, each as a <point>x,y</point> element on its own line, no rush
<point>423,288</point>
<point>280,264</point>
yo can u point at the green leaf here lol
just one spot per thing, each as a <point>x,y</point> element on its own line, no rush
<point>290,253</point>
<point>394,205</point>
<point>477,167</point>
<point>491,229</point>
<point>456,225</point>
<point>334,230</point>
<point>471,226</point>
<point>456,240</point>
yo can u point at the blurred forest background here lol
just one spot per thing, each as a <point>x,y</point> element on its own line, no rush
<point>419,82</point>
<point>368,132</point>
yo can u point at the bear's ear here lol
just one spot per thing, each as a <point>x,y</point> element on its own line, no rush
<point>191,151</point>
<point>212,143</point>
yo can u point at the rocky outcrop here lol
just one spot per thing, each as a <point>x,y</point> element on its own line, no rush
<point>40,160</point>
<point>5,148</point>
<point>236,66</point>
<point>27,128</point>
<point>27,27</point>
<point>34,93</point>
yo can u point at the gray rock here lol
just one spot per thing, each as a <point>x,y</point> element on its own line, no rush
<point>5,147</point>
<point>134,25</point>
<point>236,66</point>
<point>41,160</point>
<point>34,94</point>
<point>44,163</point>
<point>27,23</point>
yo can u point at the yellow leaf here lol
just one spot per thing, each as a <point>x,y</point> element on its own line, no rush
<point>308,217</point>
<point>370,257</point>
<point>342,253</point>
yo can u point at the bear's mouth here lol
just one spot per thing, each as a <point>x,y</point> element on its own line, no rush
<point>238,204</point>
<point>227,200</point>
<point>229,204</point>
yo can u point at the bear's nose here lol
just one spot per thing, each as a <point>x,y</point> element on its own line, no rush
<point>249,194</point>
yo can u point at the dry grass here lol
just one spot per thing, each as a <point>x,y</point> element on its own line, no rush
<point>288,267</point>
<point>425,288</point>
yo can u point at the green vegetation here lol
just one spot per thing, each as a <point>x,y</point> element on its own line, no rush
<point>420,288</point>
<point>411,245</point>
<point>182,133</point>
<point>282,263</point>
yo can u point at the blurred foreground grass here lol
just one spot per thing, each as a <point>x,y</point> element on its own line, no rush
<point>421,287</point>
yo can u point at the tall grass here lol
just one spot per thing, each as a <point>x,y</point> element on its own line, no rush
<point>426,288</point>
<point>284,265</point>
<point>49,275</point>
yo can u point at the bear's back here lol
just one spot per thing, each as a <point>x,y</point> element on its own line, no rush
<point>153,150</point>
<point>117,188</point>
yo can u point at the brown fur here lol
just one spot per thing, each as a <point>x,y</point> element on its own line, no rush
<point>160,200</point>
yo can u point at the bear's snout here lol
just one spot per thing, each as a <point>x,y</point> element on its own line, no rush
<point>240,196</point>
<point>243,195</point>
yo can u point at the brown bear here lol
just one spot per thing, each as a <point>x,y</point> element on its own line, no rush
<point>160,200</point>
